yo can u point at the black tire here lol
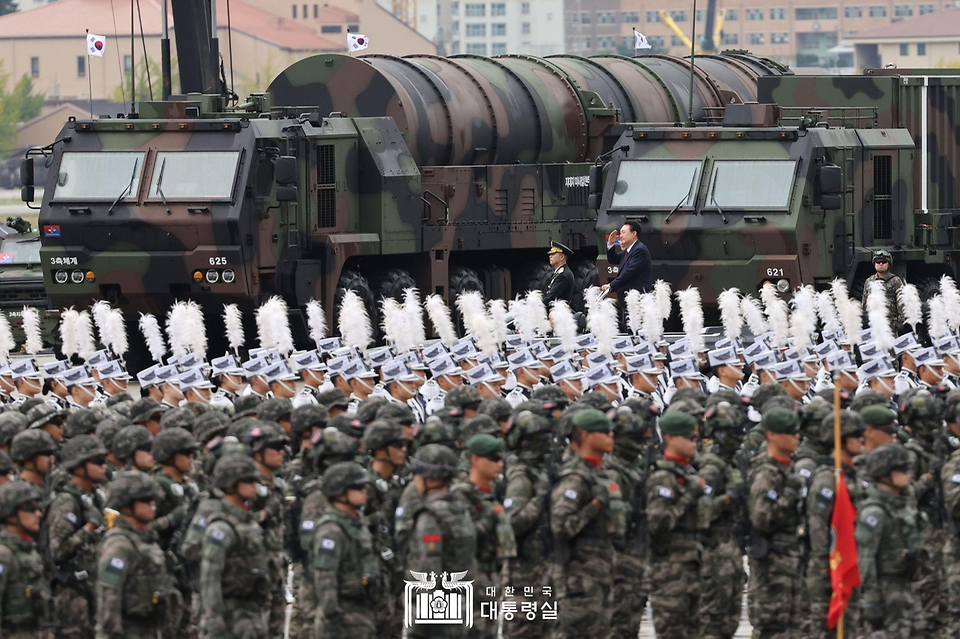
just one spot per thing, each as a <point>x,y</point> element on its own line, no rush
<point>585,275</point>
<point>531,276</point>
<point>391,283</point>
<point>353,281</point>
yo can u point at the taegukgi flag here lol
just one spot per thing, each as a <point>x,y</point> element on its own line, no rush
<point>96,44</point>
<point>641,42</point>
<point>357,41</point>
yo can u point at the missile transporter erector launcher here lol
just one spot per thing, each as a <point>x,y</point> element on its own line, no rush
<point>372,174</point>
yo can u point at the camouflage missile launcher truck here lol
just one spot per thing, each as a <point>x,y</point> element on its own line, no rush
<point>21,279</point>
<point>372,173</point>
<point>796,192</point>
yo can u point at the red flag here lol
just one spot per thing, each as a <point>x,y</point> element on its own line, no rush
<point>844,571</point>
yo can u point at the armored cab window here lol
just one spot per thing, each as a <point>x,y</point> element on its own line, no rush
<point>657,184</point>
<point>98,177</point>
<point>751,184</point>
<point>17,250</point>
<point>194,175</point>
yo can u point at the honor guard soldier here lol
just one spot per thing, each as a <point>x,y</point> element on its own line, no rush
<point>561,284</point>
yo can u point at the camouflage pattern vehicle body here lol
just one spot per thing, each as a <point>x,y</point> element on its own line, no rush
<point>800,191</point>
<point>21,279</point>
<point>372,173</point>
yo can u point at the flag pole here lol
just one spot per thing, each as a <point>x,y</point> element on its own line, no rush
<point>89,79</point>
<point>634,42</point>
<point>837,462</point>
<point>693,59</point>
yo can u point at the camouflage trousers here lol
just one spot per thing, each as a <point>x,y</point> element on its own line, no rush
<point>674,597</point>
<point>630,591</point>
<point>73,613</point>
<point>277,576</point>
<point>357,621</point>
<point>817,594</point>
<point>951,559</point>
<point>484,628</point>
<point>244,619</point>
<point>932,583</point>
<point>584,597</point>
<point>902,611</point>
<point>304,605</point>
<point>721,588</point>
<point>26,633</point>
<point>774,594</point>
<point>534,574</point>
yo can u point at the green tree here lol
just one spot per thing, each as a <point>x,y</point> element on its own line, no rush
<point>7,6</point>
<point>258,80</point>
<point>17,104</point>
<point>122,93</point>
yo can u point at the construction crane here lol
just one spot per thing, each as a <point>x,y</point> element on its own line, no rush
<point>714,25</point>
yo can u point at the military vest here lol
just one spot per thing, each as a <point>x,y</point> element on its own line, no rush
<point>457,530</point>
<point>28,589</point>
<point>359,566</point>
<point>899,553</point>
<point>148,583</point>
<point>245,571</point>
<point>611,522</point>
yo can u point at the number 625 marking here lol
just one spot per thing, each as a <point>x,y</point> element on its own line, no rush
<point>218,261</point>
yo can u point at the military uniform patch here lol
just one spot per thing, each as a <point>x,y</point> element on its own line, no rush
<point>772,495</point>
<point>201,523</point>
<point>665,492</point>
<point>176,490</point>
<point>399,511</point>
<point>117,564</point>
<point>805,473</point>
<point>71,518</point>
<point>307,525</point>
<point>571,495</point>
<point>217,536</point>
<point>826,493</point>
<point>507,503</point>
<point>871,521</point>
<point>955,479</point>
<point>328,544</point>
<point>708,490</point>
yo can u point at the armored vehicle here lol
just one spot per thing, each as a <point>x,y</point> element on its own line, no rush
<point>21,279</point>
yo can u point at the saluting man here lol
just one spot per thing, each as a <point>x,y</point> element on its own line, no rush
<point>561,284</point>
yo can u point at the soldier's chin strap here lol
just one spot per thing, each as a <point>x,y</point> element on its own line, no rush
<point>884,383</point>
<point>290,389</point>
<point>494,392</point>
<point>793,383</point>
<point>940,376</point>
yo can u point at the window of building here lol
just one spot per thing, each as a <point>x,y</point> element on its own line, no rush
<point>630,17</point>
<point>305,12</point>
<point>316,12</point>
<point>331,28</point>
<point>498,30</point>
<point>586,44</point>
<point>477,49</point>
<point>701,14</point>
<point>921,49</point>
<point>294,12</point>
<point>853,12</point>
<point>927,8</point>
<point>81,66</point>
<point>127,64</point>
<point>498,9</point>
<point>878,12</point>
<point>754,38</point>
<point>675,41</point>
<point>525,28</point>
<point>728,39</point>
<point>455,26</point>
<point>753,14</point>
<point>476,30</point>
<point>816,13</point>
<point>475,10</point>
<point>498,48</point>
<point>353,28</point>
<point>455,48</point>
<point>904,49</point>
<point>656,41</point>
<point>584,17</point>
<point>525,8</point>
<point>778,14</point>
<point>779,38</point>
<point>902,10</point>
<point>680,16</point>
<point>606,17</point>
<point>730,15</point>
<point>454,7</point>
<point>653,16</point>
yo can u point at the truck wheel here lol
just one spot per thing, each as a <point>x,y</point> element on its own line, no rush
<point>533,275</point>
<point>585,275</point>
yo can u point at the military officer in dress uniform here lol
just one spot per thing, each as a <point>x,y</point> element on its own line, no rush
<point>228,376</point>
<point>311,368</point>
<point>561,284</point>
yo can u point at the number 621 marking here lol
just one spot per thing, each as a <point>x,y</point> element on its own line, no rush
<point>774,272</point>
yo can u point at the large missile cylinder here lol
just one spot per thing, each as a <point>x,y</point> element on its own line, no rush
<point>474,110</point>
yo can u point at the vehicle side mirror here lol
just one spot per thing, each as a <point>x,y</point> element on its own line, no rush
<point>286,171</point>
<point>27,191</point>
<point>596,179</point>
<point>831,180</point>
<point>286,194</point>
<point>831,202</point>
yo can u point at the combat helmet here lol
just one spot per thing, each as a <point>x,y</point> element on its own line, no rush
<point>171,441</point>
<point>80,450</point>
<point>435,461</point>
<point>881,255</point>
<point>688,406</point>
<point>464,397</point>
<point>764,393</point>
<point>15,493</point>
<point>723,420</point>
<point>181,417</point>
<point>265,434</point>
<point>341,476</point>
<point>496,407</point>
<point>43,414</point>
<point>83,421</point>
<point>308,416</point>
<point>396,412</point>
<point>130,486</point>
<point>437,431</point>
<point>551,394</point>
<point>380,434</point>
<point>28,444</point>
<point>6,464</point>
<point>274,409</point>
<point>367,409</point>
<point>867,397</point>
<point>885,458</point>
<point>781,401</point>
<point>812,415</point>
<point>595,399</point>
<point>129,439</point>
<point>690,392</point>
<point>210,425</point>
<point>11,423</point>
<point>233,468</point>
<point>331,446</point>
<point>146,408</point>
<point>476,425</point>
<point>921,411</point>
<point>851,425</point>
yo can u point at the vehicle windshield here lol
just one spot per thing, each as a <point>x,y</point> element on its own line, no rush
<point>19,250</point>
<point>194,175</point>
<point>656,184</point>
<point>98,176</point>
<point>751,184</point>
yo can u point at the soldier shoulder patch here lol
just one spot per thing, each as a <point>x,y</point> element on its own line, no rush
<point>201,523</point>
<point>561,269</point>
<point>217,536</point>
<point>507,503</point>
<point>177,490</point>
<point>398,512</point>
<point>805,473</point>
<point>328,544</point>
<point>664,492</point>
<point>112,574</point>
<point>116,564</point>
<point>71,517</point>
<point>772,495</point>
<point>570,494</point>
<point>955,479</point>
<point>871,521</point>
<point>826,493</point>
<point>1,569</point>
<point>307,525</point>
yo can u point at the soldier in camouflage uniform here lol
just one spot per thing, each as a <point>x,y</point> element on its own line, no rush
<point>136,594</point>
<point>133,446</point>
<point>721,573</point>
<point>673,492</point>
<point>268,444</point>
<point>882,261</point>
<point>33,451</point>
<point>233,565</point>
<point>774,508</point>
<point>888,545</point>
<point>24,584</point>
<point>528,468</point>
<point>819,511</point>
<point>74,526</point>
<point>950,480</point>
<point>634,431</point>
<point>443,538</point>
<point>587,513</point>
<point>385,444</point>
<point>812,452</point>
<point>485,458</point>
<point>346,568</point>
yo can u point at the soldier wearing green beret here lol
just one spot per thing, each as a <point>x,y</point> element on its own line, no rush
<point>880,426</point>
<point>673,494</point>
<point>775,508</point>
<point>587,513</point>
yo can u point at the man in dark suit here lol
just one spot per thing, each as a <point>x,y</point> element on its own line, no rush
<point>561,284</point>
<point>634,260</point>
